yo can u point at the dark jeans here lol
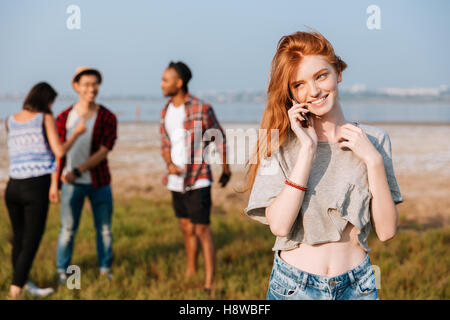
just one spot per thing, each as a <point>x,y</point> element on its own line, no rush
<point>72,200</point>
<point>27,203</point>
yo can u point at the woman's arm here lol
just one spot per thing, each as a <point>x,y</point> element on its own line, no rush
<point>58,148</point>
<point>283,211</point>
<point>53,192</point>
<point>384,211</point>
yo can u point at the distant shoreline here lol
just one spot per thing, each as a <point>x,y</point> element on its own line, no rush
<point>225,123</point>
<point>344,98</point>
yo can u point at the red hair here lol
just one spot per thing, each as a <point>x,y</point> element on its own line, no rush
<point>290,51</point>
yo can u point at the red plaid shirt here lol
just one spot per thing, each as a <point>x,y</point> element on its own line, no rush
<point>105,133</point>
<point>199,118</point>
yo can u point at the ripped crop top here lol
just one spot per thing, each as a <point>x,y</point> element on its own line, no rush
<point>338,190</point>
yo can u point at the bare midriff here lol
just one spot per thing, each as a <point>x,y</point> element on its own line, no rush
<point>328,259</point>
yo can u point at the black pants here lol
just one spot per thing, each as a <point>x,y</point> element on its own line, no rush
<point>27,203</point>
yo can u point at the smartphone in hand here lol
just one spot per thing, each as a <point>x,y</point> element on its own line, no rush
<point>307,123</point>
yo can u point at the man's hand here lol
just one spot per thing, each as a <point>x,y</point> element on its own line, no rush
<point>174,169</point>
<point>226,175</point>
<point>68,177</point>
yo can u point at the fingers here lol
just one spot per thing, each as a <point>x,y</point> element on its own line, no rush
<point>297,112</point>
<point>54,198</point>
<point>345,144</point>
<point>349,135</point>
<point>298,108</point>
<point>352,127</point>
<point>176,170</point>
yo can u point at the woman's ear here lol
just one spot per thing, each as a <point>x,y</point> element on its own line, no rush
<point>339,77</point>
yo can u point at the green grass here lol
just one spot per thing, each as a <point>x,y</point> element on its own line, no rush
<point>149,257</point>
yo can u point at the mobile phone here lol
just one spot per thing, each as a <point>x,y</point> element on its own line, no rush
<point>307,122</point>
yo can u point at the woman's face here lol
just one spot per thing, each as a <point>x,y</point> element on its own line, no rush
<point>316,83</point>
<point>50,104</point>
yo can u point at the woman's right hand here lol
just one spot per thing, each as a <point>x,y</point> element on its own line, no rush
<point>80,128</point>
<point>307,136</point>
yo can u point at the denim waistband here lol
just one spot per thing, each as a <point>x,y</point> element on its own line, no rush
<point>305,278</point>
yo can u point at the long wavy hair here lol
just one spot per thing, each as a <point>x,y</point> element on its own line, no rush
<point>290,51</point>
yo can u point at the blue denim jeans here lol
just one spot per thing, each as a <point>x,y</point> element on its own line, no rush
<point>289,283</point>
<point>72,200</point>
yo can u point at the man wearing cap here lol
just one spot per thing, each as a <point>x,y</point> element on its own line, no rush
<point>185,123</point>
<point>84,171</point>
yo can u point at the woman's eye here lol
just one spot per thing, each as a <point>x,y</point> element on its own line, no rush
<point>298,85</point>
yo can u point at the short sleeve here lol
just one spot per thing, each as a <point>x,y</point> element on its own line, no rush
<point>211,122</point>
<point>269,182</point>
<point>385,149</point>
<point>109,134</point>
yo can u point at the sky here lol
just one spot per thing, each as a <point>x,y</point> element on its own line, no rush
<point>228,45</point>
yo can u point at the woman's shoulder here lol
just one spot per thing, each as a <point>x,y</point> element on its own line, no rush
<point>24,116</point>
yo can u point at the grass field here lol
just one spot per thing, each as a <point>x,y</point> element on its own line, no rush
<point>149,257</point>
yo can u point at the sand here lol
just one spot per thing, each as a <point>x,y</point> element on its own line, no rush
<point>421,156</point>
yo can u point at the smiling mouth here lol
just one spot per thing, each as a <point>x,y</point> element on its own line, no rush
<point>318,101</point>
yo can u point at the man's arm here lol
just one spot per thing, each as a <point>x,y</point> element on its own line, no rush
<point>107,140</point>
<point>90,163</point>
<point>94,159</point>
<point>171,167</point>
<point>165,148</point>
<point>212,122</point>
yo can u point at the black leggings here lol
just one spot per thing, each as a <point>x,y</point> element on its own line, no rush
<point>27,203</point>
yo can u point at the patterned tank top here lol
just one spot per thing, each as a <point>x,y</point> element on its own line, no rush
<point>29,152</point>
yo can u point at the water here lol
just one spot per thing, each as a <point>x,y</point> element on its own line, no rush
<point>433,112</point>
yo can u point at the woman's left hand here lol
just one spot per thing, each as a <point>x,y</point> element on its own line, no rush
<point>359,143</point>
<point>53,193</point>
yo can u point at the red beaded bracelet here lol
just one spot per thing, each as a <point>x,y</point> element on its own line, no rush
<point>292,184</point>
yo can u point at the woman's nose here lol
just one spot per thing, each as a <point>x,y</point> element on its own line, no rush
<point>314,90</point>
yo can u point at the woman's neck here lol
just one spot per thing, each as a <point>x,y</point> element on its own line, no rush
<point>328,126</point>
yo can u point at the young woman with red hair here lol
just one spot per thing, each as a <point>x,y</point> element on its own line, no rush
<point>328,182</point>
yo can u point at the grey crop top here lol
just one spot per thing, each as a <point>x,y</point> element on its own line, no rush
<point>338,190</point>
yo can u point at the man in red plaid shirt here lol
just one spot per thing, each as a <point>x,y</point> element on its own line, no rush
<point>188,126</point>
<point>84,171</point>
